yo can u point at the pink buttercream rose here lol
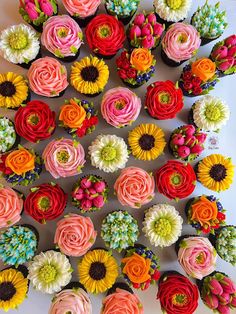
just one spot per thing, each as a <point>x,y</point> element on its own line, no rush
<point>82,8</point>
<point>134,187</point>
<point>120,106</point>
<point>47,77</point>
<point>63,158</point>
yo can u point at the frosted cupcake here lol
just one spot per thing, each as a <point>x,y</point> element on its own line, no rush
<point>9,139</point>
<point>120,107</point>
<point>123,10</point>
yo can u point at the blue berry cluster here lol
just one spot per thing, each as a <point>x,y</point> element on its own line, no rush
<point>141,78</point>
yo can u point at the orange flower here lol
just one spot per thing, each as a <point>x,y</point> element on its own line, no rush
<point>204,68</point>
<point>141,59</point>
<point>204,211</point>
<point>137,268</point>
<point>20,161</point>
<point>72,114</point>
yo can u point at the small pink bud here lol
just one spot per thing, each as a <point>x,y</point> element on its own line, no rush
<point>86,204</point>
<point>223,309</point>
<point>178,139</point>
<point>158,29</point>
<point>98,201</point>
<point>46,7</point>
<point>228,63</point>
<point>189,129</point>
<point>197,149</point>
<point>79,194</point>
<point>190,140</point>
<point>220,53</point>
<point>232,51</point>
<point>147,30</point>
<point>230,41</point>
<point>224,298</point>
<point>215,287</point>
<point>152,18</point>
<point>148,42</point>
<point>201,137</point>
<point>183,151</point>
<point>30,8</point>
<point>228,285</point>
<point>134,32</point>
<point>99,186</point>
<point>85,183</point>
<point>233,301</point>
<point>211,301</point>
<point>92,192</point>
<point>139,19</point>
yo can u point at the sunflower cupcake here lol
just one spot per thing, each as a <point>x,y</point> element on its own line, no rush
<point>89,76</point>
<point>9,139</point>
<point>215,172</point>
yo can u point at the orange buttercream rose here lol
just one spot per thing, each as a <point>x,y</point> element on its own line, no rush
<point>141,59</point>
<point>72,114</point>
<point>204,211</point>
<point>20,161</point>
<point>136,268</point>
<point>204,68</point>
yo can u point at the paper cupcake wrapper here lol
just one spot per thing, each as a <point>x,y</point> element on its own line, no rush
<point>167,273</point>
<point>27,65</point>
<point>68,58</point>
<point>74,284</point>
<point>170,62</point>
<point>83,22</point>
<point>124,19</point>
<point>166,23</point>
<point>120,285</point>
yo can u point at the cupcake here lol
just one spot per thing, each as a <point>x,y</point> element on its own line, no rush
<point>122,9</point>
<point>105,35</point>
<point>134,187</point>
<point>75,235</point>
<point>45,202</point>
<point>215,172</point>
<point>18,244</point>
<point>21,166</point>
<point>63,158</point>
<point>164,100</point>
<point>209,113</point>
<point>90,193</point>
<point>162,225</point>
<point>19,44</point>
<point>13,90</point>
<point>63,37</point>
<point>205,214</point>
<point>198,78</point>
<point>119,230</point>
<point>48,77</point>
<point>145,31</point>
<point>78,117</point>
<point>177,294</point>
<point>120,107</point>
<point>11,206</point>
<point>135,67</point>
<point>37,12</point>
<point>35,121</point>
<point>108,153</point>
<point>180,43</point>
<point>49,271</point>
<point>89,76</point>
<point>210,22</point>
<point>146,141</point>
<point>98,271</point>
<point>187,142</point>
<point>175,180</point>
<point>9,139</point>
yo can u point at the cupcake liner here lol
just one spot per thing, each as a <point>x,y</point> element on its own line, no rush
<point>120,285</point>
<point>167,273</point>
<point>69,58</point>
<point>101,56</point>
<point>27,65</point>
<point>124,20</point>
<point>83,22</point>
<point>168,61</point>
<point>32,228</point>
<point>58,96</point>
<point>131,85</point>
<point>74,284</point>
<point>166,23</point>
<point>188,204</point>
<point>91,95</point>
<point>190,118</point>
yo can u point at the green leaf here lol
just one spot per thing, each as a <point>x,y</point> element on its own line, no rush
<point>73,49</point>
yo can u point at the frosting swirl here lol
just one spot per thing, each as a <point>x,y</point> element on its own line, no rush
<point>81,8</point>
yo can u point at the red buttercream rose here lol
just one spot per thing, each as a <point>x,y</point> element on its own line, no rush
<point>176,180</point>
<point>131,73</point>
<point>105,35</point>
<point>122,74</point>
<point>164,100</point>
<point>45,202</point>
<point>35,121</point>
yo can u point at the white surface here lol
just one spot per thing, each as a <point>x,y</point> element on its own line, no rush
<point>38,303</point>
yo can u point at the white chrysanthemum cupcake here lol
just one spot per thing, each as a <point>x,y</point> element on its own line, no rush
<point>162,225</point>
<point>108,153</point>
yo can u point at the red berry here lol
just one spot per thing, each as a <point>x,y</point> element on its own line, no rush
<point>220,216</point>
<point>136,285</point>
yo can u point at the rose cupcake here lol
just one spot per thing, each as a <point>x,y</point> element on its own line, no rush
<point>135,68</point>
<point>9,139</point>
<point>47,77</point>
<point>124,11</point>
<point>120,107</point>
<point>164,100</point>
<point>64,158</point>
<point>45,202</point>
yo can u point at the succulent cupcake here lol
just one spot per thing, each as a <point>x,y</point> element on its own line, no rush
<point>122,9</point>
<point>108,153</point>
<point>162,225</point>
<point>78,117</point>
<point>135,68</point>
<point>119,230</point>
<point>120,107</point>
<point>90,193</point>
<point>89,76</point>
<point>9,139</point>
<point>45,202</point>
<point>19,44</point>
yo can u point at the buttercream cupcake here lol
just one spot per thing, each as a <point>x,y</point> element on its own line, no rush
<point>75,235</point>
<point>122,9</point>
<point>90,193</point>
<point>9,139</point>
<point>78,117</point>
<point>164,100</point>
<point>180,43</point>
<point>47,77</point>
<point>136,67</point>
<point>89,76</point>
<point>108,153</point>
<point>49,271</point>
<point>162,225</point>
<point>63,158</point>
<point>119,230</point>
<point>45,202</point>
<point>120,107</point>
<point>63,37</point>
<point>105,35</point>
<point>19,44</point>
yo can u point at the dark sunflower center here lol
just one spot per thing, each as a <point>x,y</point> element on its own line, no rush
<point>218,172</point>
<point>97,271</point>
<point>147,142</point>
<point>7,291</point>
<point>90,73</point>
<point>7,89</point>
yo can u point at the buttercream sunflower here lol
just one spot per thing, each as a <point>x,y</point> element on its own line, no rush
<point>98,271</point>
<point>89,76</point>
<point>13,90</point>
<point>147,141</point>
<point>216,172</point>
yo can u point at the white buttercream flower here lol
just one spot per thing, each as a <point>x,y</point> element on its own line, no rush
<point>172,11</point>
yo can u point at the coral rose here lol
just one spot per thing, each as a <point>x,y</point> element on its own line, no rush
<point>141,59</point>
<point>204,68</point>
<point>72,114</point>
<point>20,161</point>
<point>137,268</point>
<point>204,211</point>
